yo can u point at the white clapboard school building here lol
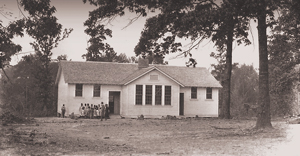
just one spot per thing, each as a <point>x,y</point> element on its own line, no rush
<point>138,89</point>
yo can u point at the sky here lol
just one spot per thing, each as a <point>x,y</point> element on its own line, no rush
<point>73,13</point>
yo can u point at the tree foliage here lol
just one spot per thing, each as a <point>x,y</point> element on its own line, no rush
<point>7,46</point>
<point>283,75</point>
<point>7,33</point>
<point>244,91</point>
<point>22,96</point>
<point>62,57</point>
<point>43,27</point>
<point>284,55</point>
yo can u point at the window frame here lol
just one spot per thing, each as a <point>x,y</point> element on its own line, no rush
<point>78,90</point>
<point>158,95</point>
<point>138,95</point>
<point>209,93</point>
<point>148,94</point>
<point>194,92</point>
<point>95,92</point>
<point>168,95</point>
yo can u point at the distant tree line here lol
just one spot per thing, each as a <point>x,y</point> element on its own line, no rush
<point>23,95</point>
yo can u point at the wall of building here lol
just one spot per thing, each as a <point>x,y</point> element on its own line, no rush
<point>201,106</point>
<point>66,95</point>
<point>130,109</point>
<point>62,93</point>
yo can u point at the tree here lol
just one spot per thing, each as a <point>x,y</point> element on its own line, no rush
<point>197,20</point>
<point>283,75</point>
<point>7,46</point>
<point>244,90</point>
<point>94,52</point>
<point>22,95</point>
<point>42,26</point>
<point>262,10</point>
<point>283,57</point>
<point>122,58</point>
<point>62,57</point>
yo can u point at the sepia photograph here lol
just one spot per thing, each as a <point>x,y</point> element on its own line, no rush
<point>149,77</point>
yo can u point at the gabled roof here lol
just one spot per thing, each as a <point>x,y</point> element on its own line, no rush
<point>125,73</point>
<point>144,71</point>
<point>191,77</point>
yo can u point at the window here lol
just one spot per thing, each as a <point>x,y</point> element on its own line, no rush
<point>148,94</point>
<point>139,94</point>
<point>158,95</point>
<point>153,77</point>
<point>194,92</point>
<point>167,95</point>
<point>208,93</point>
<point>78,90</point>
<point>97,90</point>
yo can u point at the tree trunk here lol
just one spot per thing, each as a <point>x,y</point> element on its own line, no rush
<point>226,87</point>
<point>263,116</point>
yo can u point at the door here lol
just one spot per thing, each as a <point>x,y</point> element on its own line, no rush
<point>181,104</point>
<point>114,103</point>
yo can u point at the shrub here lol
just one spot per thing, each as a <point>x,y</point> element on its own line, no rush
<point>8,117</point>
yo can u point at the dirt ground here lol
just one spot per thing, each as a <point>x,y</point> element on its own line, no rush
<point>191,136</point>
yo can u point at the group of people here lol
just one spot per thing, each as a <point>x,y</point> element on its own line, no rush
<point>94,111</point>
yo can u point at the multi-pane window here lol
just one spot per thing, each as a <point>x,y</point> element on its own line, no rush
<point>194,92</point>
<point>78,90</point>
<point>158,94</point>
<point>139,94</point>
<point>148,94</point>
<point>97,88</point>
<point>208,93</point>
<point>167,95</point>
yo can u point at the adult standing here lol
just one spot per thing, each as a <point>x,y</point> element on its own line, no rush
<point>102,111</point>
<point>63,110</point>
<point>106,111</point>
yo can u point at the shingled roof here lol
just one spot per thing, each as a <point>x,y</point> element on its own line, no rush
<point>124,73</point>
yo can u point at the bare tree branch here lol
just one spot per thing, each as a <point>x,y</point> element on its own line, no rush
<point>132,21</point>
<point>18,4</point>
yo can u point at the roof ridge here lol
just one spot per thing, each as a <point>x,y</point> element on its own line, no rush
<point>96,62</point>
<point>109,62</point>
<point>158,65</point>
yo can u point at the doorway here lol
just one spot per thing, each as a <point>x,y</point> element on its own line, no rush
<point>181,104</point>
<point>114,102</point>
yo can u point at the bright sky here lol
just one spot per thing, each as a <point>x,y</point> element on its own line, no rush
<point>72,14</point>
